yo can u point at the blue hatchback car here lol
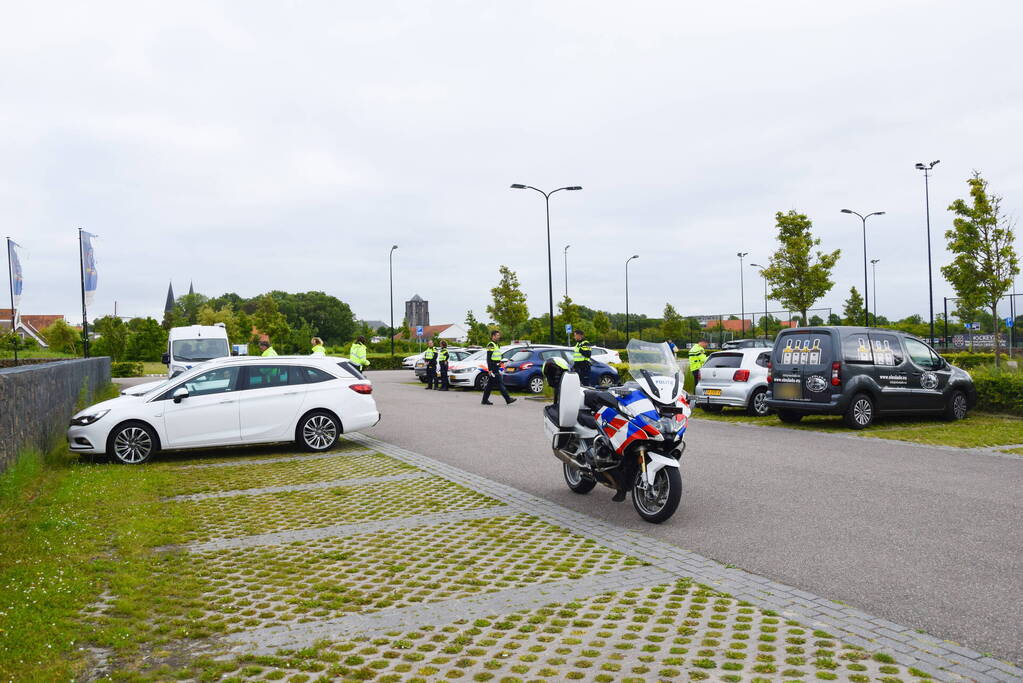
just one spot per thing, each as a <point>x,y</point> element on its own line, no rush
<point>524,369</point>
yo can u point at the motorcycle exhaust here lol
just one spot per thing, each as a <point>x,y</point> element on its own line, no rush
<point>567,458</point>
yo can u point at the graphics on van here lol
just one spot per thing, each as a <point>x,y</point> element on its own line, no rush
<point>801,352</point>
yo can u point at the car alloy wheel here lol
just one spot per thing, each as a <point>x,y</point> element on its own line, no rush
<point>536,384</point>
<point>606,381</point>
<point>132,445</point>
<point>319,432</point>
<point>759,403</point>
<point>959,405</point>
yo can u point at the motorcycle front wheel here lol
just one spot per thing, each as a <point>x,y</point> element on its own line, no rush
<point>659,501</point>
<point>575,479</point>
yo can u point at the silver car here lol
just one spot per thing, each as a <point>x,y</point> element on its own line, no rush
<point>735,378</point>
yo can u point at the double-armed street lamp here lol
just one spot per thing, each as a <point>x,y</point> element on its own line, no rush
<point>742,292</point>
<point>866,294</point>
<point>390,270</point>
<point>927,168</point>
<point>761,268</point>
<point>634,256</point>
<point>550,277</point>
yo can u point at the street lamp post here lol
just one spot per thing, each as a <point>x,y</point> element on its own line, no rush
<point>627,296</point>
<point>866,294</point>
<point>566,269</point>
<point>757,265</point>
<point>550,277</point>
<point>926,168</point>
<point>742,293</point>
<point>390,271</point>
<point>873,268</point>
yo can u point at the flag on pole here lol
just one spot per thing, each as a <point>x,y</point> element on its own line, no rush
<point>17,281</point>
<point>89,267</point>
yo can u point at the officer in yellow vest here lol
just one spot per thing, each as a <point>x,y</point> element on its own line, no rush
<point>357,354</point>
<point>581,354</point>
<point>442,365</point>
<point>267,349</point>
<point>318,348</point>
<point>697,357</point>
<point>494,371</point>
<point>430,356</point>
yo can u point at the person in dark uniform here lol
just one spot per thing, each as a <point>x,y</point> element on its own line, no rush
<point>442,364</point>
<point>494,370</point>
<point>430,356</point>
<point>581,358</point>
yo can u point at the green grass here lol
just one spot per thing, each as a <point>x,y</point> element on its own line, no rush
<point>153,368</point>
<point>1015,451</point>
<point>978,430</point>
<point>36,353</point>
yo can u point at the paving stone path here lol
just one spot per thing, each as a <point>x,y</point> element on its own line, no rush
<point>427,572</point>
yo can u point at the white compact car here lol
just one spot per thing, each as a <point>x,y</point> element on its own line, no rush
<point>232,401</point>
<point>735,378</point>
<point>609,356</point>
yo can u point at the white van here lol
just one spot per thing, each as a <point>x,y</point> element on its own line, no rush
<point>189,346</point>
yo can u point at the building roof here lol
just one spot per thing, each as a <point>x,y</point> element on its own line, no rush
<point>36,322</point>
<point>428,331</point>
<point>168,306</point>
<point>416,298</point>
<point>738,326</point>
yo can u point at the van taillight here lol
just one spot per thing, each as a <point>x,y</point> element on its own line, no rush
<point>836,377</point>
<point>770,371</point>
<point>741,376</point>
<point>361,388</point>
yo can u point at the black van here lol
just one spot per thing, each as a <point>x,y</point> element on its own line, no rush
<point>862,372</point>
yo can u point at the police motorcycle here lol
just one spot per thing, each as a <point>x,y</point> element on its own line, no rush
<point>629,438</point>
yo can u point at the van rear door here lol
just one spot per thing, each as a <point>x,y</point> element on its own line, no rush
<point>802,366</point>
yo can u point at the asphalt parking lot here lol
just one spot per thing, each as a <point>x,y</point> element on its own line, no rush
<point>923,536</point>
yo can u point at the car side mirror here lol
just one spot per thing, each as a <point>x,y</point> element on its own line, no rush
<point>179,394</point>
<point>165,359</point>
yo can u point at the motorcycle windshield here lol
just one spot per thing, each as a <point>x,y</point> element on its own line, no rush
<point>656,359</point>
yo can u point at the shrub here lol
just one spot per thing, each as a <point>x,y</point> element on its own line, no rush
<point>127,369</point>
<point>967,360</point>
<point>999,391</point>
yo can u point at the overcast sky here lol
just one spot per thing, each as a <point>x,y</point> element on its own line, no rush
<point>251,146</point>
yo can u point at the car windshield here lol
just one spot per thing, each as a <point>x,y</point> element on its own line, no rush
<point>199,349</point>
<point>476,355</point>
<point>521,355</point>
<point>657,359</point>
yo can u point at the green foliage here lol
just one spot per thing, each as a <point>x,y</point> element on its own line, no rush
<point>999,391</point>
<point>147,340</point>
<point>672,327</point>
<point>852,309</point>
<point>968,360</point>
<point>476,331</point>
<point>112,336</point>
<point>269,320</point>
<point>797,279</point>
<point>327,316</point>
<point>227,316</point>
<point>13,342</point>
<point>509,309</point>
<point>126,368</point>
<point>601,324</point>
<point>981,240</point>
<point>62,337</point>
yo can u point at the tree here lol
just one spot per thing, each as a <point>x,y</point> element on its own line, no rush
<point>602,325</point>
<point>509,309</point>
<point>208,316</point>
<point>981,240</point>
<point>798,279</point>
<point>147,341</point>
<point>112,336</point>
<point>852,309</point>
<point>834,319</point>
<point>672,323</point>
<point>329,317</point>
<point>816,320</point>
<point>269,320</point>
<point>476,331</point>
<point>62,337</point>
<point>568,314</point>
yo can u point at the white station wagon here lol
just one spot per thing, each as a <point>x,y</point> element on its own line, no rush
<point>232,401</point>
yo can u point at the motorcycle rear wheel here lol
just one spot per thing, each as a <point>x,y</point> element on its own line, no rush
<point>575,479</point>
<point>658,502</point>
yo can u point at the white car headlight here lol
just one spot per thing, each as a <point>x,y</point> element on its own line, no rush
<point>88,418</point>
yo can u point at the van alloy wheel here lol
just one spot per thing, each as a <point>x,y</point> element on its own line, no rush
<point>860,413</point>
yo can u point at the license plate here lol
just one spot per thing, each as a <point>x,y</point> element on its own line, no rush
<point>788,391</point>
<point>712,392</point>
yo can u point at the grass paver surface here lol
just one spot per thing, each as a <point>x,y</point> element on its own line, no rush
<point>203,480</point>
<point>210,456</point>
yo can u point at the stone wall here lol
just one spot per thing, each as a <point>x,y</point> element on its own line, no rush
<point>36,402</point>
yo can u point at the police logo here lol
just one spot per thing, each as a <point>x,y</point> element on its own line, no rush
<point>929,380</point>
<point>816,384</point>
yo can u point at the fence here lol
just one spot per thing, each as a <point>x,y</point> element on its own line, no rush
<point>36,402</point>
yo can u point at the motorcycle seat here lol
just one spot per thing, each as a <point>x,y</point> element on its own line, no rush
<point>551,412</point>
<point>586,419</point>
<point>594,400</point>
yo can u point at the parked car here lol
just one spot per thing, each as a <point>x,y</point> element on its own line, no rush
<point>232,401</point>
<point>471,371</point>
<point>409,362</point>
<point>735,378</point>
<point>524,369</point>
<point>453,355</point>
<point>861,373</point>
<point>603,355</point>
<point>193,344</point>
<point>747,344</point>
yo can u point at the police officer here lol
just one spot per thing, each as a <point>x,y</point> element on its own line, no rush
<point>430,356</point>
<point>357,354</point>
<point>318,348</point>
<point>697,357</point>
<point>494,370</point>
<point>268,350</point>
<point>442,365</point>
<point>581,354</point>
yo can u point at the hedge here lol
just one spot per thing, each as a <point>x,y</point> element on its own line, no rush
<point>127,368</point>
<point>999,391</point>
<point>967,360</point>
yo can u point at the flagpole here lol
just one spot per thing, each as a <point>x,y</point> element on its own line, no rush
<point>85,315</point>
<point>14,314</point>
